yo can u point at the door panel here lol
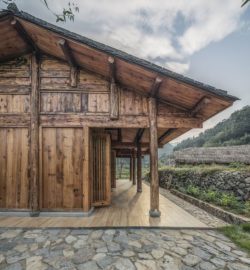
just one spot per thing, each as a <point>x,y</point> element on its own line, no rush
<point>14,182</point>
<point>101,169</point>
<point>62,168</point>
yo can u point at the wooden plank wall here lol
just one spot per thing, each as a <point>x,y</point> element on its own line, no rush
<point>15,87</point>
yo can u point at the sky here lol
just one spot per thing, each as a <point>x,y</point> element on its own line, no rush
<point>205,40</point>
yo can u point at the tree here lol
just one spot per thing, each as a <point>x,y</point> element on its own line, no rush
<point>244,2</point>
<point>68,12</point>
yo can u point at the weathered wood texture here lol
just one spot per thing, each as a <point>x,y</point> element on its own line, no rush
<point>101,180</point>
<point>113,169</point>
<point>34,135</point>
<point>139,172</point>
<point>14,182</point>
<point>62,168</point>
<point>154,178</point>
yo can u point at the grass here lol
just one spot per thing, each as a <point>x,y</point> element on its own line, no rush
<point>225,200</point>
<point>239,234</point>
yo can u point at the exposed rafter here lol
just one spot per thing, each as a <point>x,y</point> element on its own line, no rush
<point>166,134</point>
<point>25,36</point>
<point>200,105</point>
<point>139,135</point>
<point>155,87</point>
<point>67,52</point>
<point>196,109</point>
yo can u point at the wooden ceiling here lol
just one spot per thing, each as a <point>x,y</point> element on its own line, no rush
<point>23,33</point>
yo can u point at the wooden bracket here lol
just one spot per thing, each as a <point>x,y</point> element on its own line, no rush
<point>25,36</point>
<point>71,60</point>
<point>114,91</point>
<point>139,135</point>
<point>200,105</point>
<point>155,87</point>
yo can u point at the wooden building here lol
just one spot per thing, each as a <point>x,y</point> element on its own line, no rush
<point>69,106</point>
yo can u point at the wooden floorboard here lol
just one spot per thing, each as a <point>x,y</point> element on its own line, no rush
<point>128,208</point>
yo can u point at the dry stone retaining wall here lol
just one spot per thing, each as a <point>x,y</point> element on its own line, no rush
<point>228,154</point>
<point>237,182</point>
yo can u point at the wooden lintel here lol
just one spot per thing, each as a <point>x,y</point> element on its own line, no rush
<point>67,52</point>
<point>200,105</point>
<point>123,121</point>
<point>155,87</point>
<point>25,36</point>
<point>139,135</point>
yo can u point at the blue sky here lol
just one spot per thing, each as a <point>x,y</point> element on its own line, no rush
<point>205,40</point>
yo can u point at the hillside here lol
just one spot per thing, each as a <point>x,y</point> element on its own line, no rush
<point>232,131</point>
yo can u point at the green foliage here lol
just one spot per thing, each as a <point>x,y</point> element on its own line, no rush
<point>240,235</point>
<point>233,131</point>
<point>223,199</point>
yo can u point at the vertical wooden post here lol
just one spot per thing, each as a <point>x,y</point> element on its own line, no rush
<point>113,169</point>
<point>86,185</point>
<point>133,167</point>
<point>154,178</point>
<point>34,137</point>
<point>130,168</point>
<point>139,180</point>
<point>73,76</point>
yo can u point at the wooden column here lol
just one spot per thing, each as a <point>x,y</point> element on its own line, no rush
<point>130,169</point>
<point>34,137</point>
<point>133,167</point>
<point>139,180</point>
<point>86,187</point>
<point>113,169</point>
<point>154,178</point>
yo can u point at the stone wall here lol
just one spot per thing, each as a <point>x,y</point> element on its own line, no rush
<point>229,154</point>
<point>237,182</point>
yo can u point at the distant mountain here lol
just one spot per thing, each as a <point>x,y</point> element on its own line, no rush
<point>232,131</point>
<point>166,150</point>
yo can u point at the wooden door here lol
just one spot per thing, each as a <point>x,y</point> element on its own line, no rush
<point>61,168</point>
<point>14,181</point>
<point>101,169</point>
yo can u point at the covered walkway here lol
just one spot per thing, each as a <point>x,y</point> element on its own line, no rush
<point>128,209</point>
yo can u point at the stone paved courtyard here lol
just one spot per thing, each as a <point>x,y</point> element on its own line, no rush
<point>88,249</point>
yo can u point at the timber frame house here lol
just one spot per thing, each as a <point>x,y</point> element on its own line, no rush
<point>70,105</point>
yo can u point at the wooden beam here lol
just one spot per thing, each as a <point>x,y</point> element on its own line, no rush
<point>119,135</point>
<point>155,87</point>
<point>154,178</point>
<point>133,167</point>
<point>67,52</point>
<point>86,186</point>
<point>165,134</point>
<point>113,169</point>
<point>34,137</point>
<point>139,121</point>
<point>139,135</point>
<point>71,60</point>
<point>114,91</point>
<point>130,168</point>
<point>139,179</point>
<point>203,102</point>
<point>25,36</point>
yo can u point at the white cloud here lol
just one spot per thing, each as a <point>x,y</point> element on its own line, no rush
<point>149,29</point>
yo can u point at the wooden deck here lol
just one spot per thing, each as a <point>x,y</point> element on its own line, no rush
<point>128,208</point>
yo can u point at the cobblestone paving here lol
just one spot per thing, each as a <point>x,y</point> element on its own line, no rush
<point>195,211</point>
<point>121,249</point>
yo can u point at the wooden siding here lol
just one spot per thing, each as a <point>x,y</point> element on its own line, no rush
<point>14,150</point>
<point>62,168</point>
